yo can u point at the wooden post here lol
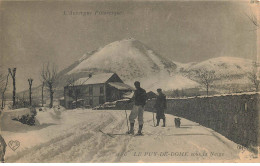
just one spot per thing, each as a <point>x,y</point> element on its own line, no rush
<point>12,73</point>
<point>30,80</point>
<point>42,92</point>
<point>3,93</point>
<point>51,95</point>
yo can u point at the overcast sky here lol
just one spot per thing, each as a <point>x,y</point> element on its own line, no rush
<point>36,32</point>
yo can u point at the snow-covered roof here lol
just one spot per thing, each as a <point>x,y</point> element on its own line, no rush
<point>121,86</point>
<point>128,95</point>
<point>94,79</point>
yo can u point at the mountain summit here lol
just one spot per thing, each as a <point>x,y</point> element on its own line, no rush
<point>129,58</point>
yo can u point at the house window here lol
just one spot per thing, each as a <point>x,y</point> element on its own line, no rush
<point>87,91</point>
<point>77,92</point>
<point>90,90</point>
<point>101,90</point>
<point>70,92</point>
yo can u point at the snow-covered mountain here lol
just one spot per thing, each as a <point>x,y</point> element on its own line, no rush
<point>221,65</point>
<point>231,72</point>
<point>132,60</point>
<point>129,58</point>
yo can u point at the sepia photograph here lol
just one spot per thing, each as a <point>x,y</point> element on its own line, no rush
<point>128,81</point>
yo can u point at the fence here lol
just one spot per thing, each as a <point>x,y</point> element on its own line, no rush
<point>234,116</point>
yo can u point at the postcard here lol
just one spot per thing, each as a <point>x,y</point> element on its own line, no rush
<point>129,81</point>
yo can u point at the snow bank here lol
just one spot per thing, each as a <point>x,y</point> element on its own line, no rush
<point>52,116</point>
<point>78,139</point>
<point>16,113</point>
<point>7,124</point>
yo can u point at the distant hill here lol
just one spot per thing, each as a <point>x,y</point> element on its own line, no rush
<point>231,72</point>
<point>132,60</point>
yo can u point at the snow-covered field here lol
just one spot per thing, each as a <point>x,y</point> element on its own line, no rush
<point>74,136</point>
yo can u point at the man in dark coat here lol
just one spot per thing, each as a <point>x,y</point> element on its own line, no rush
<point>139,99</point>
<point>160,106</point>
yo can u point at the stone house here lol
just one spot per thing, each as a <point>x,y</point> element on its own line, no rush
<point>95,90</point>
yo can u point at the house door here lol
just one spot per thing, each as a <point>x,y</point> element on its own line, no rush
<point>101,100</point>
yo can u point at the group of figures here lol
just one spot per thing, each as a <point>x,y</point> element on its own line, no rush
<point>139,100</point>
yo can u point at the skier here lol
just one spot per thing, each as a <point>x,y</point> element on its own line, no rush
<point>2,149</point>
<point>160,106</point>
<point>139,99</point>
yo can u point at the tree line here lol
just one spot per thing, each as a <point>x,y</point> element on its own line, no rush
<point>49,77</point>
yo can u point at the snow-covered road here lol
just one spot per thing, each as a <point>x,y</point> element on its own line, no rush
<point>74,136</point>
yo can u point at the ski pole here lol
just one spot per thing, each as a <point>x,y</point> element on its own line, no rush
<point>153,119</point>
<point>126,119</point>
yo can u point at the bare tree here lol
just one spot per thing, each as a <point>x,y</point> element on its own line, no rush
<point>74,87</point>
<point>12,72</point>
<point>253,77</point>
<point>3,87</point>
<point>23,99</point>
<point>49,76</point>
<point>205,78</point>
<point>42,91</point>
<point>74,91</point>
<point>254,20</point>
<point>30,80</point>
<point>254,80</point>
<point>251,16</point>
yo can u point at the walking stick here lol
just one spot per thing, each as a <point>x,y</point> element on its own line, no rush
<point>153,120</point>
<point>126,119</point>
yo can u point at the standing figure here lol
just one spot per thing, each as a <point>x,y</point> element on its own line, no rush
<point>139,99</point>
<point>2,149</point>
<point>160,106</point>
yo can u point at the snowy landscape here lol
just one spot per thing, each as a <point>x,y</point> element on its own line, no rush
<point>74,136</point>
<point>76,78</point>
<point>86,135</point>
<point>134,61</point>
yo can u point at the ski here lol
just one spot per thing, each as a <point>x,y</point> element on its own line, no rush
<point>154,126</point>
<point>106,133</point>
<point>112,135</point>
